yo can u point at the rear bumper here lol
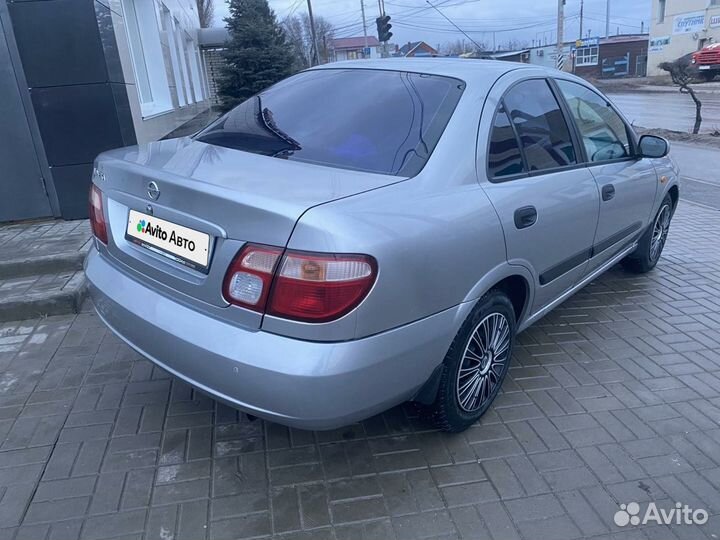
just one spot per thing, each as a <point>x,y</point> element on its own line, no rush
<point>308,385</point>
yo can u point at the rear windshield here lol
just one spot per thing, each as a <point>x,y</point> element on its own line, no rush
<point>385,122</point>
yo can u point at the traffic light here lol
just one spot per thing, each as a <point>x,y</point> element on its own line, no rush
<point>383,28</point>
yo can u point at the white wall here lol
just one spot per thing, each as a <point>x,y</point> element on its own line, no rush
<point>178,90</point>
<point>680,42</point>
<point>546,56</point>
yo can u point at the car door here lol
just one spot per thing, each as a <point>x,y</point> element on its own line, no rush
<point>545,197</point>
<point>627,184</point>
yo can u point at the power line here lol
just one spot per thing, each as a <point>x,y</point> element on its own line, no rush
<point>485,30</point>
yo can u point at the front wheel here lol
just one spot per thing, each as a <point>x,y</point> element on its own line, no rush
<point>652,243</point>
<point>708,76</point>
<point>476,364</point>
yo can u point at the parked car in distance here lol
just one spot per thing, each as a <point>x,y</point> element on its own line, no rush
<point>707,61</point>
<point>371,232</point>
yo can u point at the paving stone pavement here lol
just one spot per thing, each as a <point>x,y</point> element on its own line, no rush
<point>613,398</point>
<point>43,238</point>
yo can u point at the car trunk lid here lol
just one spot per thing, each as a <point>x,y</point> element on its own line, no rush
<point>231,196</point>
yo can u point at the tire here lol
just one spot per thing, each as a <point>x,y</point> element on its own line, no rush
<point>650,246</point>
<point>708,76</point>
<point>457,406</point>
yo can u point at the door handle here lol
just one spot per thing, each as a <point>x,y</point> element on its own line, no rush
<point>608,192</point>
<point>525,217</point>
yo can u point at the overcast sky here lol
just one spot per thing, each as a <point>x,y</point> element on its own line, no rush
<point>415,20</point>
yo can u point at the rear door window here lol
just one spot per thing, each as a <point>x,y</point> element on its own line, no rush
<point>386,122</point>
<point>541,126</point>
<point>505,158</point>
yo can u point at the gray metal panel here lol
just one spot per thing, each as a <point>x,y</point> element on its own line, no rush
<point>109,44</point>
<point>77,122</point>
<point>59,42</point>
<point>73,183</point>
<point>22,191</point>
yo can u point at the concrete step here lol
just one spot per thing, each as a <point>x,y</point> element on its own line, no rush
<point>42,264</point>
<point>41,268</point>
<point>38,295</point>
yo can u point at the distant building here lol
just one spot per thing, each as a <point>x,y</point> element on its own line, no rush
<point>78,77</point>
<point>596,58</point>
<point>415,49</point>
<point>681,27</point>
<point>546,56</point>
<point>612,57</point>
<point>355,48</point>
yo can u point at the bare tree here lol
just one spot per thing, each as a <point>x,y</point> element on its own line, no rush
<point>683,74</point>
<point>299,36</point>
<point>206,12</point>
<point>515,45</point>
<point>461,46</point>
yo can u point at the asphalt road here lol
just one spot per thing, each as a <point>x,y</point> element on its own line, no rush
<point>700,170</point>
<point>668,109</point>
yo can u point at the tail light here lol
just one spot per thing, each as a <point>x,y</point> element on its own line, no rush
<point>97,215</point>
<point>316,287</point>
<point>310,287</point>
<point>248,280</point>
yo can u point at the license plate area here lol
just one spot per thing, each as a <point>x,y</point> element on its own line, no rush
<point>184,245</point>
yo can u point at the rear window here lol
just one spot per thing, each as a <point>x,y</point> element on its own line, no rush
<point>386,122</point>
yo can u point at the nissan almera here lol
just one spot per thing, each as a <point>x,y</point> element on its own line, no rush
<point>367,233</point>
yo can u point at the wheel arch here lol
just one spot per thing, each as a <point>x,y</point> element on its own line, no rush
<point>513,280</point>
<point>674,193</point>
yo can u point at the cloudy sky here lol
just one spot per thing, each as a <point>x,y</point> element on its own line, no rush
<point>414,20</point>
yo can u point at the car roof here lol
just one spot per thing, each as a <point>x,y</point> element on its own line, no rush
<point>460,68</point>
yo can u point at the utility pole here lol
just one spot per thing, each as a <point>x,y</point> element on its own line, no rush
<point>582,9</point>
<point>316,54</point>
<point>560,29</point>
<point>607,20</point>
<point>362,8</point>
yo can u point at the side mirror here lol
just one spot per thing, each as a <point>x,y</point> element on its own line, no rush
<point>654,147</point>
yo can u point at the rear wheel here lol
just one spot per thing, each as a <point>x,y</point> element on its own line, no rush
<point>476,364</point>
<point>652,243</point>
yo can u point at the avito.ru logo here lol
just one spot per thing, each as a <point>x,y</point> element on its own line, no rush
<point>629,514</point>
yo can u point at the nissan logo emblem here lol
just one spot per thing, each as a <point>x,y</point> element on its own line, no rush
<point>153,191</point>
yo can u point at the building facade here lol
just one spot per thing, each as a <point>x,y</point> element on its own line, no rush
<point>82,77</point>
<point>681,27</point>
<point>546,56</point>
<point>414,49</point>
<point>612,57</point>
<point>597,58</point>
<point>355,48</point>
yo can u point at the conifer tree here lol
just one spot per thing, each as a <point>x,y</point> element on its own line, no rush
<point>257,55</point>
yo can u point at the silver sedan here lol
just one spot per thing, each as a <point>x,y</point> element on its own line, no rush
<point>367,233</point>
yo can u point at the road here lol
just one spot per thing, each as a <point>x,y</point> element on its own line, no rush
<point>700,173</point>
<point>668,110</point>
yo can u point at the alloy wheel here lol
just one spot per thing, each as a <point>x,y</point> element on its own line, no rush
<point>483,363</point>
<point>660,232</point>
